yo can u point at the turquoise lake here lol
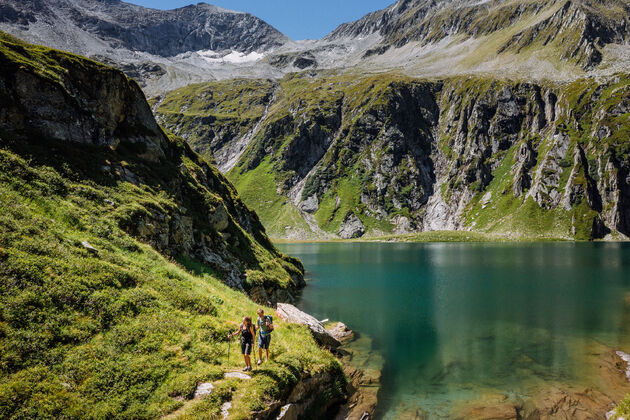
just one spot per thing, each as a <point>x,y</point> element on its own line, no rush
<point>454,321</point>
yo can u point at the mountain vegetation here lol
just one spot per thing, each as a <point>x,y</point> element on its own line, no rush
<point>125,259</point>
<point>134,234</point>
<point>347,155</point>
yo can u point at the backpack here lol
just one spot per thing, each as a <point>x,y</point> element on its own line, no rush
<point>264,320</point>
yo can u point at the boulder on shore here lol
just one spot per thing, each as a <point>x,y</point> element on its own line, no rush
<point>352,227</point>
<point>341,332</point>
<point>292,314</point>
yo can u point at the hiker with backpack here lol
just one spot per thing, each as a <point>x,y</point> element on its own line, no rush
<point>247,332</point>
<point>265,326</point>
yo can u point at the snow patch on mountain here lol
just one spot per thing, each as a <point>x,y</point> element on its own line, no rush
<point>234,57</point>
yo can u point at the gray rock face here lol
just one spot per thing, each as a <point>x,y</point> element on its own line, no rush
<point>310,205</point>
<point>163,33</point>
<point>98,106</point>
<point>417,160</point>
<point>525,161</point>
<point>292,314</point>
<point>429,22</point>
<point>545,190</point>
<point>352,227</point>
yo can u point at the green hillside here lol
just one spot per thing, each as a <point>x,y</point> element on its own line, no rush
<point>109,306</point>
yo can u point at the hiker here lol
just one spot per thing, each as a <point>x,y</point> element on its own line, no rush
<point>265,325</point>
<point>247,332</point>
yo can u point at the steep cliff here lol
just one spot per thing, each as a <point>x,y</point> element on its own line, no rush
<point>345,155</point>
<point>189,209</point>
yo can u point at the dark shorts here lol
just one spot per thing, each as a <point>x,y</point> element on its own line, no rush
<point>246,347</point>
<point>264,341</point>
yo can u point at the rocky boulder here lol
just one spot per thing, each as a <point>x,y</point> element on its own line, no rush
<point>310,205</point>
<point>340,331</point>
<point>352,227</point>
<point>291,314</point>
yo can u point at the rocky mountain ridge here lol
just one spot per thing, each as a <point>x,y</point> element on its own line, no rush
<point>119,25</point>
<point>579,28</point>
<point>148,44</point>
<point>342,156</point>
<point>526,39</point>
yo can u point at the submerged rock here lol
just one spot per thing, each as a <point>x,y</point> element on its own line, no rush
<point>340,331</point>
<point>565,400</point>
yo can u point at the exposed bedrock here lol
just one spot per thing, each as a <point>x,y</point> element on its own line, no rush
<point>396,154</point>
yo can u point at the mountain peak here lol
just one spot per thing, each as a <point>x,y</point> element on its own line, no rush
<point>166,49</point>
<point>121,25</point>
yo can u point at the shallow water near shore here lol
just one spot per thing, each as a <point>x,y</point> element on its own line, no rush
<point>457,322</point>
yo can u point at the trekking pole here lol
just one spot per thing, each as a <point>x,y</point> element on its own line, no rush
<point>229,342</point>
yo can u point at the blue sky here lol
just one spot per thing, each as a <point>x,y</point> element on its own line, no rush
<point>298,19</point>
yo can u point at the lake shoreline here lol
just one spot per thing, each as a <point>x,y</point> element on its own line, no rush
<point>363,368</point>
<point>448,236</point>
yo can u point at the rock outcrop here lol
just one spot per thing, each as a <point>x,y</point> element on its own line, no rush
<point>100,119</point>
<point>341,332</point>
<point>351,227</point>
<point>293,315</point>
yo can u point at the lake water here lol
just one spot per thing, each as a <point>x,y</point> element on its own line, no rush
<point>456,321</point>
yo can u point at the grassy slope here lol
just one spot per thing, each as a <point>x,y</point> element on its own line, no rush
<point>122,333</point>
<point>126,332</point>
<point>213,110</point>
<point>258,188</point>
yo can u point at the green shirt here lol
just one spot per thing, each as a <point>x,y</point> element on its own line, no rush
<point>262,325</point>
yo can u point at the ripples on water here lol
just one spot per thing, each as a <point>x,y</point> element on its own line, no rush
<point>457,321</point>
